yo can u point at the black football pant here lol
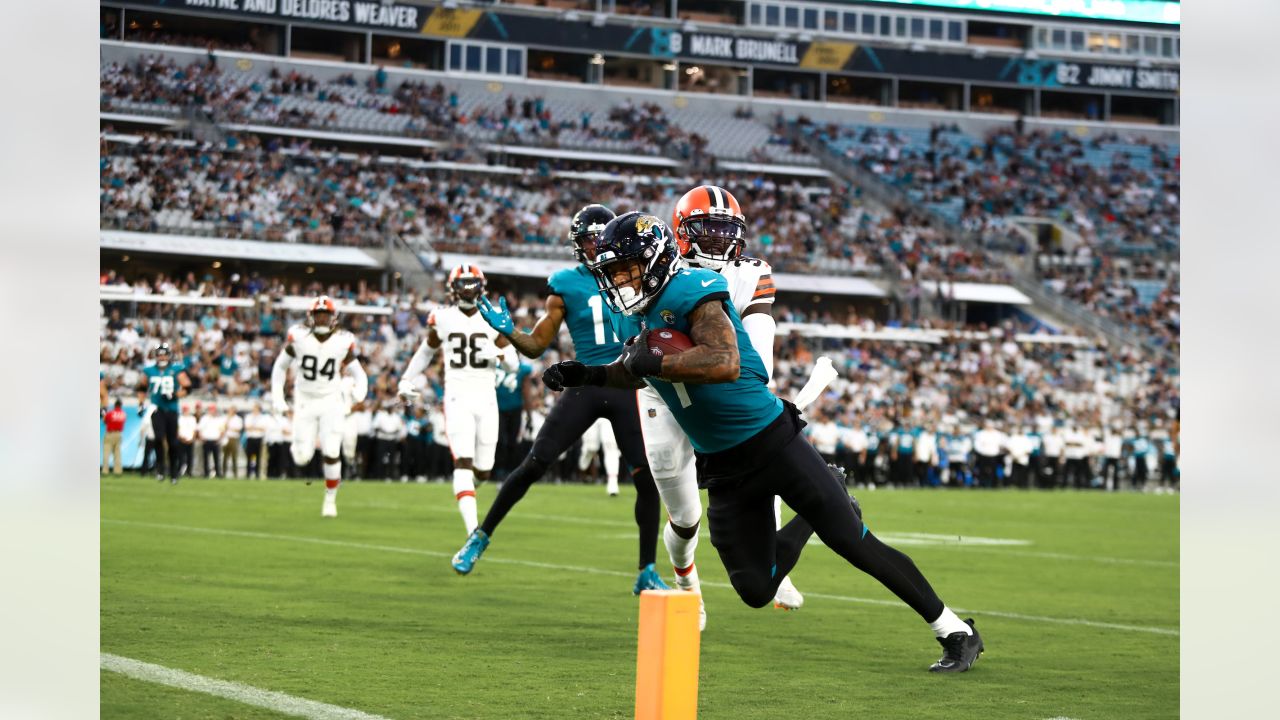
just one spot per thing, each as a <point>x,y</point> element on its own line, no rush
<point>574,412</point>
<point>1019,475</point>
<point>741,484</point>
<point>1076,473</point>
<point>1111,473</point>
<point>164,423</point>
<point>1140,472</point>
<point>987,471</point>
<point>1052,472</point>
<point>1168,471</point>
<point>253,453</point>
<point>901,471</point>
<point>207,450</point>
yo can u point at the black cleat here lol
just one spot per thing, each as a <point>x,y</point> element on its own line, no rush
<point>959,651</point>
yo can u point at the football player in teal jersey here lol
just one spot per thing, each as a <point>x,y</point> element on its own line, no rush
<point>164,381</point>
<point>574,299</point>
<point>748,442</point>
<point>515,389</point>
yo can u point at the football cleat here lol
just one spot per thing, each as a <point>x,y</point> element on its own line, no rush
<point>959,651</point>
<point>469,555</point>
<point>648,579</point>
<point>612,488</point>
<point>330,508</point>
<point>788,597</point>
<point>689,583</point>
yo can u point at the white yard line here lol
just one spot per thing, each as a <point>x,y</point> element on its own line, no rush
<point>239,692</point>
<point>994,546</point>
<point>616,573</point>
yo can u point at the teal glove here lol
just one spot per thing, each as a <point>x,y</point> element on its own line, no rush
<point>499,318</point>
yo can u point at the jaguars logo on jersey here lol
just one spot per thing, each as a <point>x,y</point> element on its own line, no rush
<point>668,317</point>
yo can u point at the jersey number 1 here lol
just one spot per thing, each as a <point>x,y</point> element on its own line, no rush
<point>597,319</point>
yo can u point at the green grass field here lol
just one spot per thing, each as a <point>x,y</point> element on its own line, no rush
<point>1076,595</point>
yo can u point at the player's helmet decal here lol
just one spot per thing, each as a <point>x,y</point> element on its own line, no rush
<point>635,258</point>
<point>466,285</point>
<point>585,230</point>
<point>322,316</point>
<point>709,226</point>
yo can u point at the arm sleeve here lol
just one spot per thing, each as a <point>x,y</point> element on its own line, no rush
<point>419,364</point>
<point>279,374</point>
<point>361,389</point>
<point>761,328</point>
<point>509,359</point>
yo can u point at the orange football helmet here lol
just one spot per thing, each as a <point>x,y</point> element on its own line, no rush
<point>321,326</point>
<point>466,285</point>
<point>709,226</point>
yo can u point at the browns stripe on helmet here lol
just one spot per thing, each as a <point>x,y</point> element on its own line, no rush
<point>709,226</point>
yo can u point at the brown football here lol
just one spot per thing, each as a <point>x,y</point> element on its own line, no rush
<point>666,341</point>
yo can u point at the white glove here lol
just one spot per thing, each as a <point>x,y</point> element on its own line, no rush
<point>279,404</point>
<point>408,389</point>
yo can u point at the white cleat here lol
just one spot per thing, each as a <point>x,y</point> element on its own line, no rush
<point>691,584</point>
<point>330,508</point>
<point>788,597</point>
<point>612,488</point>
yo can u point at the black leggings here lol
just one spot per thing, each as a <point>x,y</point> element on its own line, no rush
<point>164,423</point>
<point>575,411</point>
<point>740,516</point>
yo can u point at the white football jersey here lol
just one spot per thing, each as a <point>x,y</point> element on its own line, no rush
<point>750,282</point>
<point>468,350</point>
<point>317,364</point>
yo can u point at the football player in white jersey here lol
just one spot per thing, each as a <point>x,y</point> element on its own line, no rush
<point>600,437</point>
<point>471,348</point>
<point>320,353</point>
<point>710,231</point>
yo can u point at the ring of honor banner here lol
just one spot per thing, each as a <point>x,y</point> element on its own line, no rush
<point>662,43</point>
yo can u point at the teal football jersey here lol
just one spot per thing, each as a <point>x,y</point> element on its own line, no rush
<point>715,416</point>
<point>162,385</point>
<point>510,386</point>
<point>589,317</point>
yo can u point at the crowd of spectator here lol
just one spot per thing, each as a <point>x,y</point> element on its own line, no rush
<point>430,109</point>
<point>1111,293</point>
<point>1039,173</point>
<point>947,388</point>
<point>1121,195</point>
<point>267,189</point>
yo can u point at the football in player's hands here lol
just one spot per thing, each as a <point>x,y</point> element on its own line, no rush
<point>668,341</point>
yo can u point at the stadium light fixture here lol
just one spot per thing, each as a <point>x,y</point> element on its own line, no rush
<point>597,59</point>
